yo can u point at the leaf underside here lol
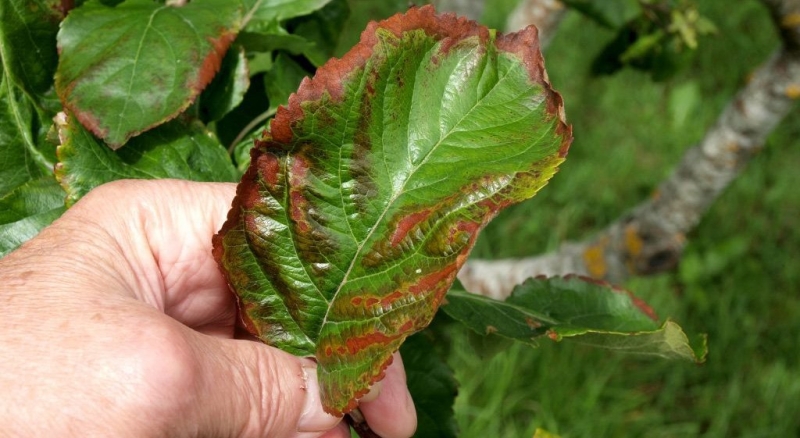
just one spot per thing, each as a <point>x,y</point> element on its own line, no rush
<point>366,196</point>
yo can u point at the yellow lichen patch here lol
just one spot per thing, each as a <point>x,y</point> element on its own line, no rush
<point>595,259</point>
<point>791,20</point>
<point>633,242</point>
<point>793,91</point>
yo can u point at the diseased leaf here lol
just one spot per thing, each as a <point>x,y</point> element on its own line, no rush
<point>366,197</point>
<point>228,88</point>
<point>151,64</point>
<point>590,311</point>
<point>433,388</point>
<point>27,210</point>
<point>175,150</point>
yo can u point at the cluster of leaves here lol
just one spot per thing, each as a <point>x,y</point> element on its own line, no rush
<point>657,36</point>
<point>148,90</point>
<point>98,90</point>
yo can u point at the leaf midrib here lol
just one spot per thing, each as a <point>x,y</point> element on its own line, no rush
<point>393,199</point>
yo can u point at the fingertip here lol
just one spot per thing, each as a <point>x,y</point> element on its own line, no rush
<point>392,414</point>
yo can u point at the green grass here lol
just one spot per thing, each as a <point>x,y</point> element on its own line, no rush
<point>739,280</point>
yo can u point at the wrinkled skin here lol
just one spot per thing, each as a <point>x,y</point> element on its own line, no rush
<point>117,322</point>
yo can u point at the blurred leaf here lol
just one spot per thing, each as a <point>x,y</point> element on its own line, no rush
<point>541,433</point>
<point>263,12</point>
<point>642,47</point>
<point>151,63</point>
<point>345,233</point>
<point>241,153</point>
<point>27,210</point>
<point>270,36</point>
<point>174,150</point>
<point>364,11</point>
<point>228,88</point>
<point>282,80</point>
<point>20,160</point>
<point>609,13</point>
<point>323,29</point>
<point>684,101</point>
<point>432,387</point>
<point>28,44</point>
<point>565,307</point>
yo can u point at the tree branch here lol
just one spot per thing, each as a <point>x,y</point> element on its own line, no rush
<point>651,238</point>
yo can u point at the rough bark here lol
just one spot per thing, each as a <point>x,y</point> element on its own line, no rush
<point>651,238</point>
<point>544,14</point>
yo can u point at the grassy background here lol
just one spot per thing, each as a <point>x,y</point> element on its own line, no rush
<point>739,280</point>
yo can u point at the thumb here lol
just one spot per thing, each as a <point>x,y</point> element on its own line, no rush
<point>251,389</point>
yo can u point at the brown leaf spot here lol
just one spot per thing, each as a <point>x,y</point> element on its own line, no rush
<point>552,335</point>
<point>406,224</point>
<point>532,323</point>
<point>491,329</point>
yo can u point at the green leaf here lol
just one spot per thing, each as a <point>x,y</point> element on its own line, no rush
<point>27,210</point>
<point>609,13</point>
<point>323,29</point>
<point>28,44</point>
<point>273,11</point>
<point>228,88</point>
<point>367,195</point>
<point>175,150</point>
<point>20,160</point>
<point>151,63</point>
<point>433,388</point>
<point>270,36</point>
<point>590,311</point>
<point>284,76</point>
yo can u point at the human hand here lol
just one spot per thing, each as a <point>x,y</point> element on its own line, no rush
<point>117,322</point>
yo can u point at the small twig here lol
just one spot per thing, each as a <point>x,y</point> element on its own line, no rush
<point>250,126</point>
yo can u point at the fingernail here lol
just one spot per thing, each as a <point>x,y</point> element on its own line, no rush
<point>314,418</point>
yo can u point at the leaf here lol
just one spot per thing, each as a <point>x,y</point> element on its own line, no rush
<point>273,11</point>
<point>285,75</point>
<point>175,150</point>
<point>20,160</point>
<point>228,88</point>
<point>611,14</point>
<point>433,388</point>
<point>367,195</point>
<point>150,65</point>
<point>592,312</point>
<point>271,36</point>
<point>322,29</point>
<point>27,210</point>
<point>27,44</point>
